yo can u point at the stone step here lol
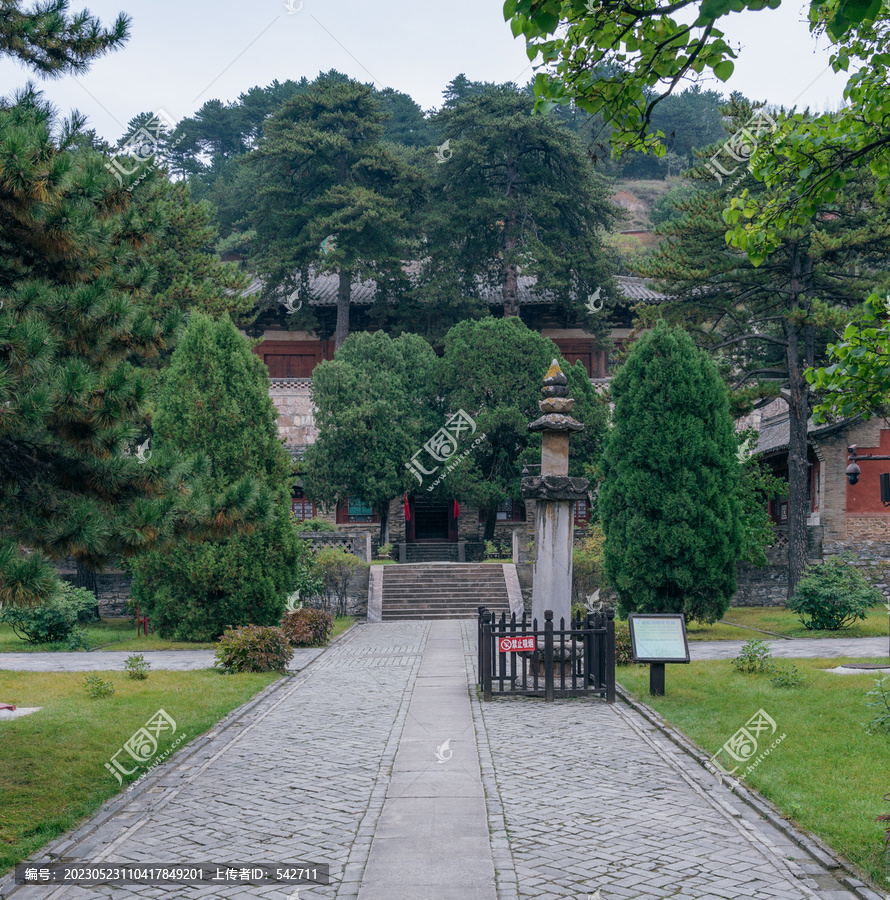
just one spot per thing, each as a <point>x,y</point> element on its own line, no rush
<point>388,617</point>
<point>443,590</point>
<point>443,577</point>
<point>466,590</point>
<point>467,595</point>
<point>489,603</point>
<point>441,569</point>
<point>456,584</point>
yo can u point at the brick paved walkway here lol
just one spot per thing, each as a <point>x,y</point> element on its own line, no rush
<point>184,660</point>
<point>347,764</point>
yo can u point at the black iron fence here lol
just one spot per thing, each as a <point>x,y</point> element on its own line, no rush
<point>516,657</point>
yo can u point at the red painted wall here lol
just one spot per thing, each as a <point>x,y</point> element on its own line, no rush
<point>865,497</point>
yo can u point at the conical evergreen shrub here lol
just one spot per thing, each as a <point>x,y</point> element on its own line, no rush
<point>214,400</point>
<point>669,498</point>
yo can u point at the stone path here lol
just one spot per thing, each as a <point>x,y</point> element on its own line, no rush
<point>186,660</point>
<point>379,760</point>
<point>113,660</point>
<point>798,648</point>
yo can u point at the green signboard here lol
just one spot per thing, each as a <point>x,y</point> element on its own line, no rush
<point>659,638</point>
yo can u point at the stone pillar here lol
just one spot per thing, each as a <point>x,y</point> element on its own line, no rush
<point>556,494</point>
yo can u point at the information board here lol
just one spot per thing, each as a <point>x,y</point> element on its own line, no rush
<point>659,638</point>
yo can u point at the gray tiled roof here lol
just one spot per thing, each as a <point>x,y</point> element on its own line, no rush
<point>323,288</point>
<point>775,430</point>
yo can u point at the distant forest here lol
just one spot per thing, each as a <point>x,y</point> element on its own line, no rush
<point>206,149</point>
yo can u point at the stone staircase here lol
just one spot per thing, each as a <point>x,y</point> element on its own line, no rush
<point>439,551</point>
<point>443,590</point>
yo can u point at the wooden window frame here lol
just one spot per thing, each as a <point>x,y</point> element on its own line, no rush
<point>519,515</point>
<point>343,517</point>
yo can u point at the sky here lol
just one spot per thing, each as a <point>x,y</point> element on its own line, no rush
<point>182,53</point>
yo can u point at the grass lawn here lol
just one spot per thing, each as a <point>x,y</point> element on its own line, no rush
<point>53,771</point>
<point>119,633</point>
<point>827,775</point>
<point>781,621</point>
<point>341,623</point>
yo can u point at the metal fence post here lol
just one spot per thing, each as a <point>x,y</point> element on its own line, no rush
<point>610,656</point>
<point>486,655</point>
<point>479,644</point>
<point>548,655</point>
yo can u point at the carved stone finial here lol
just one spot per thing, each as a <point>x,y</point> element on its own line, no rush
<point>554,375</point>
<point>556,404</point>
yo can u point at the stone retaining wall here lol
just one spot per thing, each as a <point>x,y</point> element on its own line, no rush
<point>113,584</point>
<point>873,557</point>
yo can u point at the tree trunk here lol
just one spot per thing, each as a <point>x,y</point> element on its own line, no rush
<point>510,287</point>
<point>344,293</point>
<point>799,345</point>
<point>384,524</point>
<point>491,519</point>
<point>85,577</point>
<point>510,291</point>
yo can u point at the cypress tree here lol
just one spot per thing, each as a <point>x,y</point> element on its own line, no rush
<point>669,499</point>
<point>214,401</point>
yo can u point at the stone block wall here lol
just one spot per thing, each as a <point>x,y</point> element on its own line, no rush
<point>871,556</point>
<point>831,449</point>
<point>296,421</point>
<point>113,587</point>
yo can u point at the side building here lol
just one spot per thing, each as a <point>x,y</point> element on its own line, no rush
<point>840,516</point>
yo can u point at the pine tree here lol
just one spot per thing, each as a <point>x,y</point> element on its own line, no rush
<point>767,324</point>
<point>669,501</point>
<point>76,338</point>
<point>323,170</point>
<point>214,400</point>
<point>515,194</point>
<point>51,42</point>
<point>73,322</point>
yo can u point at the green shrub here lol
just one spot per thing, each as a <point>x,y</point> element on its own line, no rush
<point>833,594</point>
<point>624,651</point>
<point>253,648</point>
<point>755,656</point>
<point>53,621</point>
<point>384,551</point>
<point>335,569</point>
<point>880,702</point>
<point>316,524</point>
<point>96,688</point>
<point>136,667</point>
<point>786,676</point>
<point>579,610</point>
<point>307,627</point>
<point>588,572</point>
<point>78,639</point>
<point>83,600</point>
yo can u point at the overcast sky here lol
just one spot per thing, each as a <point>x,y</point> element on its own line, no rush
<point>183,53</point>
